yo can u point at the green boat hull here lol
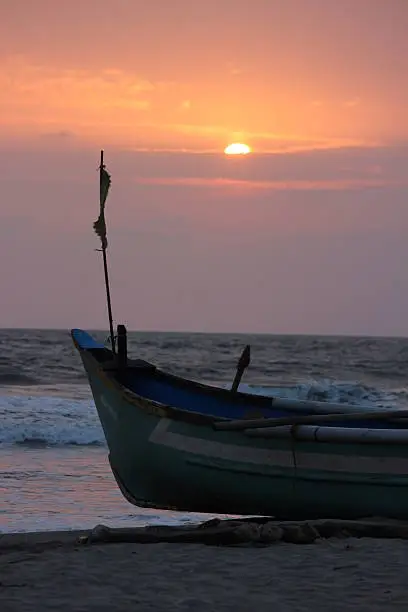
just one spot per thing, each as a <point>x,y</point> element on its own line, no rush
<point>171,459</point>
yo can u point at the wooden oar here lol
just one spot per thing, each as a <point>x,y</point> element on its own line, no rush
<point>309,419</point>
<point>243,363</point>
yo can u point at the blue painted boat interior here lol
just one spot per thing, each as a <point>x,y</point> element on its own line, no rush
<point>84,340</point>
<point>192,399</point>
<point>156,387</point>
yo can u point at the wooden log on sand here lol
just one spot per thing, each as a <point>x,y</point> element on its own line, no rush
<point>254,531</point>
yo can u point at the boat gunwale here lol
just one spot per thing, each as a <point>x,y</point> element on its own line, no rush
<point>108,375</point>
<point>147,405</point>
<point>252,400</point>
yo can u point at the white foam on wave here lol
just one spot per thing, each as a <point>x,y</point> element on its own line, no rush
<point>352,393</point>
<point>49,420</point>
<point>52,420</point>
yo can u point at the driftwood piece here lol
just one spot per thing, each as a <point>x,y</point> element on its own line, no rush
<point>249,531</point>
<point>256,531</point>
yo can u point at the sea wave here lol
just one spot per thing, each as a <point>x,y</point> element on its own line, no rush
<point>10,376</point>
<point>43,421</point>
<point>48,357</point>
<point>352,393</point>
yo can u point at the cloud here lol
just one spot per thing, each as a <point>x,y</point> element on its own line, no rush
<point>37,95</point>
<point>354,167</point>
<point>213,138</point>
<point>244,185</point>
<point>123,108</point>
<point>335,168</point>
<point>29,83</point>
<point>233,69</point>
<point>185,105</point>
<point>61,135</point>
<point>352,102</point>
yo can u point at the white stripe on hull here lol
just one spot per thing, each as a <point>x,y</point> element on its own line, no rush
<point>278,458</point>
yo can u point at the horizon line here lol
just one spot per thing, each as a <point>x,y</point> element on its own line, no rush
<point>214,333</point>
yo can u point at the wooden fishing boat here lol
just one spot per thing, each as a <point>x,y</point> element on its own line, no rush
<point>173,444</point>
<point>181,445</point>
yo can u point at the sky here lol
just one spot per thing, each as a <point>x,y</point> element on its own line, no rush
<point>306,234</point>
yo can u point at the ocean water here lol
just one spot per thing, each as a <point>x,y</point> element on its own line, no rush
<point>54,472</point>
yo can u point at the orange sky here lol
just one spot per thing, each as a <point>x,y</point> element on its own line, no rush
<point>193,75</point>
<point>316,88</point>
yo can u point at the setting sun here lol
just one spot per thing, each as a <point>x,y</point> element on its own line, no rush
<point>237,148</point>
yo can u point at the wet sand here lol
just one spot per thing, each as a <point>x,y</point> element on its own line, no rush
<point>52,571</point>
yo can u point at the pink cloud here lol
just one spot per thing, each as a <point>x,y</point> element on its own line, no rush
<point>237,184</point>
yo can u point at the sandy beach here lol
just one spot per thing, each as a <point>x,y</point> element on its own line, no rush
<point>52,571</point>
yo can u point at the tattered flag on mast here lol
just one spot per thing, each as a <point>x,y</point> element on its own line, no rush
<point>104,184</point>
<point>100,229</point>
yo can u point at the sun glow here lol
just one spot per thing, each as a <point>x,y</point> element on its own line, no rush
<point>237,148</point>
